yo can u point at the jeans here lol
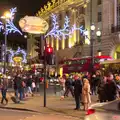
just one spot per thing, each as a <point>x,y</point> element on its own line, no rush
<point>3,92</point>
<point>21,93</point>
<point>29,90</point>
<point>16,93</point>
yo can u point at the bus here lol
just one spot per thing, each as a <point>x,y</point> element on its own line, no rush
<point>82,64</point>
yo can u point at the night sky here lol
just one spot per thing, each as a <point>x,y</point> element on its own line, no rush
<point>24,7</point>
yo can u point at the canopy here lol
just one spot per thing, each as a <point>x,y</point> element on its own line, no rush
<point>110,61</point>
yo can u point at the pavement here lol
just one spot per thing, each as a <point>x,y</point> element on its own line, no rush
<point>55,105</point>
<point>22,115</point>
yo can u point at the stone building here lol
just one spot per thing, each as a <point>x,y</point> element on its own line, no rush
<point>105,17</point>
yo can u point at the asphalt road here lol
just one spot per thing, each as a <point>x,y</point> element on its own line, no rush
<point>21,115</point>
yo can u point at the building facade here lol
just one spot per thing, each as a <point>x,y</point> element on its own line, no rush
<point>105,15</point>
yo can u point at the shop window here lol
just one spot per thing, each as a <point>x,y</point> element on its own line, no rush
<point>99,16</point>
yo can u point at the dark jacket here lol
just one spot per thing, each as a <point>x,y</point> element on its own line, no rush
<point>111,90</point>
<point>102,91</point>
<point>29,82</point>
<point>17,83</point>
<point>77,86</point>
<point>69,83</point>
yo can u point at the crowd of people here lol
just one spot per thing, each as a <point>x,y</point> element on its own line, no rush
<point>82,86</point>
<point>23,86</point>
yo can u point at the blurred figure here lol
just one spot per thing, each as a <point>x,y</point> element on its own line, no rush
<point>111,88</point>
<point>102,90</point>
<point>69,86</point>
<point>77,90</point>
<point>94,85</point>
<point>86,93</point>
<point>33,86</point>
<point>29,86</point>
<point>4,86</point>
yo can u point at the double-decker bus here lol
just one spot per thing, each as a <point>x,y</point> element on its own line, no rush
<point>82,64</point>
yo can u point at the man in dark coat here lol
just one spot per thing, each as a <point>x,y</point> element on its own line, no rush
<point>77,90</point>
<point>111,88</point>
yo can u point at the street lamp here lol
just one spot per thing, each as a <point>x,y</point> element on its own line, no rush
<point>6,17</point>
<point>92,27</point>
<point>91,42</point>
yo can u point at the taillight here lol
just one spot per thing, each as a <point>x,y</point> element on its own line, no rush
<point>90,111</point>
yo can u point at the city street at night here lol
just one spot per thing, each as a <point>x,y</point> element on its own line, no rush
<point>59,59</point>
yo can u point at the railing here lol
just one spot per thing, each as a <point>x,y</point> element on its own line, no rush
<point>115,29</point>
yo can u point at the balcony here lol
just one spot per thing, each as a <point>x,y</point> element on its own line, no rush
<point>115,29</point>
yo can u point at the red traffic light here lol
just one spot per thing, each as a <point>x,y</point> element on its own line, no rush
<point>49,50</point>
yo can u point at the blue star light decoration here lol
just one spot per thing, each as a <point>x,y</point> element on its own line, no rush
<point>19,51</point>
<point>10,27</point>
<point>66,31</point>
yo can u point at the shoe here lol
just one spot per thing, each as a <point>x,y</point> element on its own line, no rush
<point>6,101</point>
<point>77,109</point>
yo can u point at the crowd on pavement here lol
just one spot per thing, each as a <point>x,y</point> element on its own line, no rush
<point>24,85</point>
<point>83,85</point>
<point>80,85</point>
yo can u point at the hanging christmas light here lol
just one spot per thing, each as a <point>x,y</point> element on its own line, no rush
<point>66,31</point>
<point>10,27</point>
<point>14,53</point>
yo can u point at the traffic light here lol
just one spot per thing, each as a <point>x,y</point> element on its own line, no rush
<point>38,46</point>
<point>50,56</point>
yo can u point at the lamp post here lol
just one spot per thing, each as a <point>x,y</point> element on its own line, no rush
<point>91,39</point>
<point>6,17</point>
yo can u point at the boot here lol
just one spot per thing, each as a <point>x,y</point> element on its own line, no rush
<point>6,100</point>
<point>2,101</point>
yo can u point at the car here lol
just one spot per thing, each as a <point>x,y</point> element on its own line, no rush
<point>104,111</point>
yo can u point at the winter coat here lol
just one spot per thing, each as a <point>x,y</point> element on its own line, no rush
<point>69,83</point>
<point>29,83</point>
<point>86,98</point>
<point>102,91</point>
<point>111,92</point>
<point>77,87</point>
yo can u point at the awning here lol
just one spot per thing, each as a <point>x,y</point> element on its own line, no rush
<point>110,61</point>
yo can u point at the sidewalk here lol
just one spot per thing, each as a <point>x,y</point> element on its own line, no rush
<point>54,106</point>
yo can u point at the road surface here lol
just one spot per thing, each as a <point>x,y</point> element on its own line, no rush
<point>21,115</point>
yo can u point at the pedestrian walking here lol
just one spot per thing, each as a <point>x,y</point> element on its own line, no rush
<point>69,86</point>
<point>4,86</point>
<point>29,86</point>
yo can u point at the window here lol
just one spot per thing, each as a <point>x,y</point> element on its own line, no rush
<point>99,16</point>
<point>96,60</point>
<point>99,2</point>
